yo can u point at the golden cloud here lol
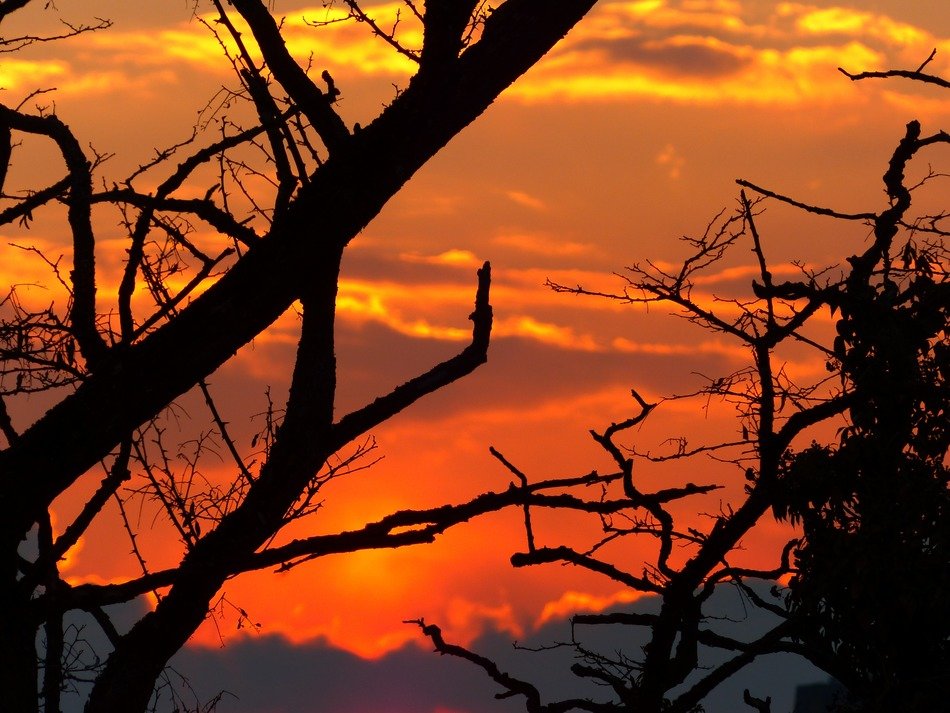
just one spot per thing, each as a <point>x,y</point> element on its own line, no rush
<point>526,200</point>
<point>571,602</point>
<point>685,51</point>
<point>542,244</point>
<point>321,33</point>
<point>138,60</point>
<point>547,333</point>
<point>671,160</point>
<point>722,51</point>
<point>361,301</point>
<point>735,351</point>
<point>16,74</point>
<point>388,303</point>
<point>469,618</point>
<point>767,76</point>
<point>848,21</point>
<point>453,257</point>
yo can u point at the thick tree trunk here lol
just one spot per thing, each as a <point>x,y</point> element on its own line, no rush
<point>347,192</point>
<point>18,670</point>
<point>302,444</point>
<point>133,384</point>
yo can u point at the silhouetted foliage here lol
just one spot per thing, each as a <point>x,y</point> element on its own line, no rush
<point>873,567</point>
<point>869,575</point>
<point>186,303</point>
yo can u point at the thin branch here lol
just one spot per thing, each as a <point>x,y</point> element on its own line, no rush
<point>15,44</point>
<point>817,210</point>
<point>171,305</point>
<point>358,422</point>
<point>529,532</point>
<point>223,431</point>
<point>916,74</point>
<point>389,37</point>
<point>25,208</point>
<point>83,312</point>
<point>548,555</point>
<point>395,530</point>
<point>117,474</point>
<point>204,209</point>
<point>313,102</point>
<point>513,686</point>
<point>762,706</point>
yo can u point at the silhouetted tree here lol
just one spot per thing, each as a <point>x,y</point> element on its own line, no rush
<point>870,574</point>
<point>114,369</point>
<point>873,567</point>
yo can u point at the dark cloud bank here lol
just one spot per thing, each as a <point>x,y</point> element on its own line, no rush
<point>269,675</point>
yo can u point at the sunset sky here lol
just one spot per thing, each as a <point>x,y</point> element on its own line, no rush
<point>628,135</point>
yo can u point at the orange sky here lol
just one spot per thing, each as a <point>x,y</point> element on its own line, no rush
<point>628,135</point>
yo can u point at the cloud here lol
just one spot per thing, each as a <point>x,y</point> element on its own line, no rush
<point>769,77</point>
<point>684,51</point>
<point>526,200</point>
<point>671,160</point>
<point>545,332</point>
<point>360,301</point>
<point>572,602</point>
<point>344,46</point>
<point>722,52</point>
<point>679,55</point>
<point>316,676</point>
<point>146,60</point>
<point>542,244</point>
<point>850,22</point>
<point>469,618</point>
<point>453,258</point>
<point>733,352</point>
<point>437,310</point>
<point>17,74</point>
<point>365,302</point>
<point>270,674</point>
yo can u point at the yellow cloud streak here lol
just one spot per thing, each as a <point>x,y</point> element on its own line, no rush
<point>788,58</point>
<point>842,20</point>
<point>139,60</point>
<point>660,14</point>
<point>420,311</point>
<point>776,61</point>
<point>17,74</point>
<point>343,45</point>
<point>540,244</point>
<point>768,77</point>
<point>571,602</point>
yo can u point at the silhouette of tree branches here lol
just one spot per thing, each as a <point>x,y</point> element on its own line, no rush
<point>225,230</point>
<point>868,569</point>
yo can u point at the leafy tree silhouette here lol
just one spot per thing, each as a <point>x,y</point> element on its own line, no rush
<point>873,567</point>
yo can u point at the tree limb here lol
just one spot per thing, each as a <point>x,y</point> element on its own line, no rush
<point>312,102</point>
<point>359,422</point>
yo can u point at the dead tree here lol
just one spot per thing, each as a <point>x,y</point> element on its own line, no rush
<point>873,507</point>
<point>115,368</point>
